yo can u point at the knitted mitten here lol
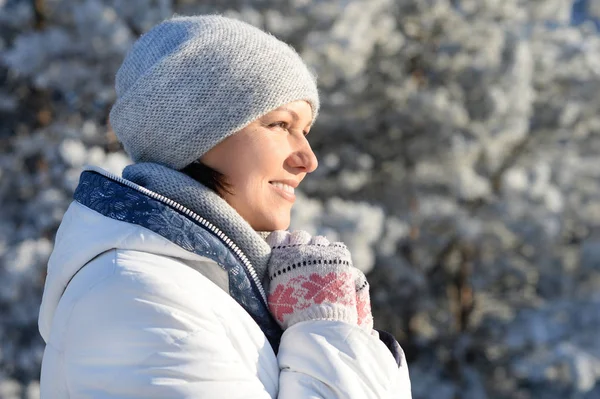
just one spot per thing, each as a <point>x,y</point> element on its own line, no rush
<point>363,302</point>
<point>312,279</point>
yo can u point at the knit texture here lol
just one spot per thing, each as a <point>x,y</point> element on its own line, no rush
<point>206,203</point>
<point>313,279</point>
<point>190,82</point>
<point>363,302</point>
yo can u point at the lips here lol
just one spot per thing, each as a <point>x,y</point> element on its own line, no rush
<point>284,190</point>
<point>285,187</point>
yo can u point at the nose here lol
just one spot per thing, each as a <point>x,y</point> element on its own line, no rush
<point>303,157</point>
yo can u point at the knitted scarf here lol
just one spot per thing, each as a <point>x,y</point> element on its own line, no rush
<point>206,203</point>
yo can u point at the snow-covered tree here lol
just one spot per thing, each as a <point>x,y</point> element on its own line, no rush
<point>457,146</point>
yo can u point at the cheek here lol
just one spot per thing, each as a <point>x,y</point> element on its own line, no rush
<point>248,180</point>
<point>252,159</point>
<point>260,164</point>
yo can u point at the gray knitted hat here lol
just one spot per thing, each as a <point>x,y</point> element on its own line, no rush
<point>190,82</point>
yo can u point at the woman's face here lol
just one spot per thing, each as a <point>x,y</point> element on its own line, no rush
<point>264,162</point>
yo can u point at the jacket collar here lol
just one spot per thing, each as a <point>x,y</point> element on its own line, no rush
<point>205,202</point>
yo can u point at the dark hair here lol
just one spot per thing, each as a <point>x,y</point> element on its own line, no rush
<point>208,177</point>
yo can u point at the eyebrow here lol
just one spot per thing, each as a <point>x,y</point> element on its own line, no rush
<point>291,112</point>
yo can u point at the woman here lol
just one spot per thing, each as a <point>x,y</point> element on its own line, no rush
<point>160,284</point>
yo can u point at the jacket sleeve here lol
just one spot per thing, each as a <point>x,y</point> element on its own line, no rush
<point>141,326</point>
<point>331,359</point>
<point>141,333</point>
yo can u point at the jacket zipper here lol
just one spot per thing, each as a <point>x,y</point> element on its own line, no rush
<point>226,240</point>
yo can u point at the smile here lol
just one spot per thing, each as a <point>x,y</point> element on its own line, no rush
<point>285,190</point>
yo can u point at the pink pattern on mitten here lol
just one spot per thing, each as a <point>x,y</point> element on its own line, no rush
<point>328,296</point>
<point>332,287</point>
<point>363,302</point>
<point>363,307</point>
<point>282,301</point>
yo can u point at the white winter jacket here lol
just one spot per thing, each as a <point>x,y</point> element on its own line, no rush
<point>146,318</point>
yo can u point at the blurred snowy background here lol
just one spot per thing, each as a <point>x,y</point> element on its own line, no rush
<point>458,147</point>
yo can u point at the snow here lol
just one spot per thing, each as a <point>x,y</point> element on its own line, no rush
<point>458,146</point>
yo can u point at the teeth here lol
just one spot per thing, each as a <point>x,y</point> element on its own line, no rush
<point>284,187</point>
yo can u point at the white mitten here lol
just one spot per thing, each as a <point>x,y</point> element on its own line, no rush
<point>313,279</point>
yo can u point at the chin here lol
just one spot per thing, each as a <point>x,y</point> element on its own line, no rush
<point>272,224</point>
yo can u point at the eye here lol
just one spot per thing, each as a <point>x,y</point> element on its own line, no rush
<point>285,126</point>
<point>281,124</point>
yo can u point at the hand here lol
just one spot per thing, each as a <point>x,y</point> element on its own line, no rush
<point>313,279</point>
